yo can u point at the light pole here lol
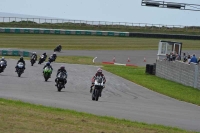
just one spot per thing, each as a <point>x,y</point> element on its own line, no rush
<point>171,5</point>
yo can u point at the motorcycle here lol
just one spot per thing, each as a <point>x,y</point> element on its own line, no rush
<point>33,60</point>
<point>47,73</point>
<point>98,86</point>
<point>62,77</point>
<point>51,59</point>
<point>20,69</point>
<point>57,49</point>
<point>42,59</point>
<point>2,66</point>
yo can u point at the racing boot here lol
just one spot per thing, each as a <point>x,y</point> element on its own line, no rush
<point>91,89</point>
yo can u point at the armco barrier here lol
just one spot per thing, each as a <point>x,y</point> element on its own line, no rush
<point>169,36</point>
<point>63,32</point>
<point>96,33</point>
<point>15,53</point>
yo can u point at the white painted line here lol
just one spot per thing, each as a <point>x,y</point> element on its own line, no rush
<point>94,59</point>
<point>119,64</point>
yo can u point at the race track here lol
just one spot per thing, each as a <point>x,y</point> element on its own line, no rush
<point>120,98</point>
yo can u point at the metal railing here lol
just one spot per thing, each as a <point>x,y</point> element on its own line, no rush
<point>90,23</point>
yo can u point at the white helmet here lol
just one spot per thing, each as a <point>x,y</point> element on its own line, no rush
<point>2,58</point>
<point>54,53</point>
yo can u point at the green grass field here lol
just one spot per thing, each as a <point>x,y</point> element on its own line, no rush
<point>20,117</point>
<point>73,42</point>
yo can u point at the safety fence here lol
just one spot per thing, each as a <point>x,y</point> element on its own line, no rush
<point>63,32</point>
<point>15,53</point>
<point>53,21</point>
<point>177,71</point>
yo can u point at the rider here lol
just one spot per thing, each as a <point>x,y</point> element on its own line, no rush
<point>61,69</point>
<point>98,74</point>
<point>59,46</point>
<point>5,62</point>
<point>34,55</point>
<point>20,60</point>
<point>47,65</point>
<point>45,55</point>
<point>54,56</point>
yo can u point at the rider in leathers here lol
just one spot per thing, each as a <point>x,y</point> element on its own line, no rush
<point>34,55</point>
<point>20,60</point>
<point>5,62</point>
<point>62,69</point>
<point>99,73</point>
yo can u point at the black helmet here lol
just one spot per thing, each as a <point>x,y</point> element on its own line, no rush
<point>21,58</point>
<point>45,53</point>
<point>62,67</point>
<point>48,64</point>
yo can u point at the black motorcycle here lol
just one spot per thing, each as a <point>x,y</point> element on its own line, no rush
<point>62,78</point>
<point>58,49</point>
<point>2,66</point>
<point>51,59</point>
<point>98,86</point>
<point>20,69</point>
<point>41,59</point>
<point>33,60</point>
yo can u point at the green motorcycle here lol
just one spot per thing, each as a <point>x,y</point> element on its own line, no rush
<point>47,73</point>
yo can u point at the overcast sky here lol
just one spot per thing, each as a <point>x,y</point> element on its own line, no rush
<point>103,10</point>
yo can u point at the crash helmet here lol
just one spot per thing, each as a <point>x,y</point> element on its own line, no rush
<point>45,53</point>
<point>21,58</point>
<point>99,70</point>
<point>62,67</point>
<point>48,63</point>
<point>59,45</point>
<point>54,53</point>
<point>2,58</point>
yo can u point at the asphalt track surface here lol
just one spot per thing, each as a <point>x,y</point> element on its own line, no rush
<point>121,98</point>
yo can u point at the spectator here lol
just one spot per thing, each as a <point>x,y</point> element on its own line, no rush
<point>173,57</point>
<point>188,59</point>
<point>184,57</point>
<point>194,59</point>
<point>170,57</point>
<point>199,60</point>
<point>167,57</point>
<point>178,57</point>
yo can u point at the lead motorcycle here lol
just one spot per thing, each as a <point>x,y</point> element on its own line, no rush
<point>2,66</point>
<point>47,73</point>
<point>98,86</point>
<point>57,49</point>
<point>20,69</point>
<point>62,78</point>
<point>41,59</point>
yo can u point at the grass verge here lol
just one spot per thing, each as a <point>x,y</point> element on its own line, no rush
<point>70,42</point>
<point>65,59</point>
<point>17,116</point>
<point>163,86</point>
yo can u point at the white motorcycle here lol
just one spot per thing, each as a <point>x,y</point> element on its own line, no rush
<point>98,86</point>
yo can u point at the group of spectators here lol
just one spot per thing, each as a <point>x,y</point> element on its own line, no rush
<point>186,58</point>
